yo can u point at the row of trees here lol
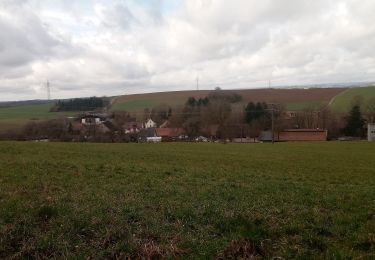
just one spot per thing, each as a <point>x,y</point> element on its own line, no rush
<point>80,104</point>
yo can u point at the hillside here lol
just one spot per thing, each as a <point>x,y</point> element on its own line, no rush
<point>294,99</point>
<point>16,114</point>
<point>342,102</point>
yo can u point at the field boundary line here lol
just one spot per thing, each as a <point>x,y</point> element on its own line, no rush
<point>334,98</point>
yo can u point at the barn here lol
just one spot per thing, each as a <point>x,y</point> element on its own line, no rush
<point>302,135</point>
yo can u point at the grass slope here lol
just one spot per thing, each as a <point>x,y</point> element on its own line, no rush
<point>291,200</point>
<point>342,102</point>
<point>294,99</point>
<point>16,116</point>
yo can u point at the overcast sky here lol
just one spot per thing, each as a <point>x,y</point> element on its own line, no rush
<point>112,47</point>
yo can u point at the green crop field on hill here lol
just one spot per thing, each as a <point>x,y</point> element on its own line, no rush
<point>294,99</point>
<point>181,200</point>
<point>342,102</point>
<point>17,116</point>
<point>26,112</point>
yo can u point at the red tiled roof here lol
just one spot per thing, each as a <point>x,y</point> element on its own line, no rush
<point>169,132</point>
<point>132,125</point>
<point>304,130</point>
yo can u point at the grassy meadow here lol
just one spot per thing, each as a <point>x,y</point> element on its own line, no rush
<point>293,99</point>
<point>343,101</point>
<point>194,201</point>
<point>17,116</point>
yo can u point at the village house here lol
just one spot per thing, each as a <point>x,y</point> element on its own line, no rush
<point>88,125</point>
<point>92,119</point>
<point>132,127</point>
<point>169,134</point>
<point>150,124</point>
<point>302,135</point>
<point>295,135</point>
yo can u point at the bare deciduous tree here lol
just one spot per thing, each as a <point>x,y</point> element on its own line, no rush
<point>369,112</point>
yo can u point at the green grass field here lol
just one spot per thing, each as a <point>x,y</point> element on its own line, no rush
<point>293,99</point>
<point>14,117</point>
<point>342,102</point>
<point>140,105</point>
<point>197,201</point>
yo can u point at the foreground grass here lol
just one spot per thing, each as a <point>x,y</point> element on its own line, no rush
<point>294,200</point>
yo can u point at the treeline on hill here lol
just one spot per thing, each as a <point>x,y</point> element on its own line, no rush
<point>80,104</point>
<point>220,115</point>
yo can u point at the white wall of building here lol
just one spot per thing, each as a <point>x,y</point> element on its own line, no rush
<point>371,132</point>
<point>150,124</point>
<point>91,121</point>
<point>154,139</point>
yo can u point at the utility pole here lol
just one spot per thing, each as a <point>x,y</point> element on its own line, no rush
<point>48,90</point>
<point>242,133</point>
<point>198,83</point>
<point>273,126</point>
<point>272,121</point>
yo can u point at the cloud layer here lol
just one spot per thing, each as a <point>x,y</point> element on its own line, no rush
<point>97,47</point>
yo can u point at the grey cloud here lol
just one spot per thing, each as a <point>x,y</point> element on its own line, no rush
<point>23,39</point>
<point>131,47</point>
<point>126,14</point>
<point>118,15</point>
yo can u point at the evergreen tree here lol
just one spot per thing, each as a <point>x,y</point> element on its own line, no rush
<point>191,102</point>
<point>80,104</point>
<point>249,112</point>
<point>355,122</point>
<point>255,112</point>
